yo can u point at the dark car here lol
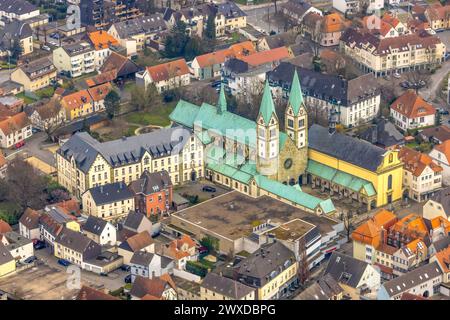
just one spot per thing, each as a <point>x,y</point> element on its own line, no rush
<point>209,189</point>
<point>103,274</point>
<point>39,245</point>
<point>405,84</point>
<point>222,257</point>
<point>216,84</point>
<point>203,250</point>
<point>30,260</point>
<point>64,262</point>
<point>444,112</point>
<point>127,279</point>
<point>125,267</point>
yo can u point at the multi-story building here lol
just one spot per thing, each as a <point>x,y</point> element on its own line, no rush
<point>14,130</point>
<point>35,75</point>
<point>438,205</point>
<point>229,17</point>
<point>16,31</point>
<point>150,265</point>
<point>75,59</point>
<point>176,150</point>
<point>46,115</point>
<point>18,10</point>
<point>103,42</point>
<point>152,193</point>
<point>357,101</point>
<point>297,10</point>
<point>165,76</point>
<point>438,16</point>
<point>324,30</point>
<point>411,111</point>
<point>110,201</point>
<point>347,6</point>
<point>100,230</point>
<point>396,54</point>
<point>409,256</point>
<point>217,287</point>
<point>421,175</point>
<point>441,154</point>
<point>20,248</point>
<point>29,224</point>
<point>388,26</point>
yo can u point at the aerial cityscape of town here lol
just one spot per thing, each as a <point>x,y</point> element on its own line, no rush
<point>224,150</point>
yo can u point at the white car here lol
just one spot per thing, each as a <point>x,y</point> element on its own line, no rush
<point>396,75</point>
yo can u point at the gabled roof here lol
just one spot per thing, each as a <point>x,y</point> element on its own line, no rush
<point>134,220</point>
<point>266,56</point>
<point>88,293</point>
<point>225,286</point>
<point>218,57</point>
<point>444,147</point>
<point>440,133</point>
<point>443,197</point>
<point>77,242</point>
<point>323,289</point>
<point>137,242</point>
<point>150,183</point>
<point>345,269</point>
<point>168,70</point>
<point>143,25</point>
<point>412,105</point>
<point>19,7</point>
<point>383,133</point>
<point>95,225</point>
<point>416,162</point>
<point>30,219</point>
<point>154,287</point>
<point>76,100</point>
<point>14,123</point>
<point>98,93</point>
<point>110,193</point>
<point>5,255</point>
<point>120,64</point>
<point>102,39</point>
<point>4,227</point>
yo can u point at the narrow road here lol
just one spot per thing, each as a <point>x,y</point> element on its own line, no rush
<point>432,91</point>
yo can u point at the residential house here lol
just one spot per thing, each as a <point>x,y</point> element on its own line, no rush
<point>35,75</point>
<point>442,258</point>
<point>119,66</point>
<point>165,76</point>
<point>53,221</point>
<point>441,154</point>
<point>356,277</point>
<point>16,31</point>
<point>421,176</point>
<point>102,42</point>
<point>324,30</point>
<point>384,134</point>
<point>394,54</point>
<point>436,135</point>
<point>137,222</point>
<point>272,57</point>
<point>271,280</point>
<point>88,293</point>
<point>110,202</point>
<point>140,242</point>
<point>18,10</point>
<point>46,115</point>
<point>438,205</point>
<point>14,129</point>
<point>75,59</point>
<point>75,247</point>
<point>7,261</point>
<point>228,18</point>
<point>350,7</point>
<point>411,111</point>
<point>357,100</point>
<point>285,39</point>
<point>409,256</point>
<point>218,287</point>
<point>186,289</point>
<point>150,265</point>
<point>209,65</point>
<point>135,34</point>
<point>152,193</point>
<point>98,94</point>
<point>181,251</point>
<point>29,224</point>
<point>21,248</point>
<point>99,230</point>
<point>157,288</point>
<point>423,281</point>
<point>77,104</point>
<point>167,149</point>
<point>297,10</point>
<point>193,17</point>
<point>388,26</point>
<point>438,16</point>
<point>439,245</point>
<point>326,288</point>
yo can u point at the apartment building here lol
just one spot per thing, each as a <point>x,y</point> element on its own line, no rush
<point>18,10</point>
<point>347,6</point>
<point>411,111</point>
<point>357,101</point>
<point>388,26</point>
<point>229,17</point>
<point>16,31</point>
<point>421,175</point>
<point>14,129</point>
<point>103,42</point>
<point>165,76</point>
<point>100,230</point>
<point>438,16</point>
<point>441,154</point>
<point>35,75</point>
<point>394,54</point>
<point>112,201</point>
<point>75,59</point>
<point>176,150</point>
<point>218,287</point>
<point>324,30</point>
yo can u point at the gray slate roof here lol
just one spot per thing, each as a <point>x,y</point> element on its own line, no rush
<point>133,220</point>
<point>110,193</point>
<point>17,6</point>
<point>145,258</point>
<point>15,30</point>
<point>412,279</point>
<point>95,225</point>
<point>443,197</point>
<point>226,286</point>
<point>124,151</point>
<point>5,256</point>
<point>345,269</point>
<point>230,10</point>
<point>78,242</point>
<point>383,133</point>
<point>346,148</point>
<point>324,289</point>
<point>150,183</point>
<point>147,25</point>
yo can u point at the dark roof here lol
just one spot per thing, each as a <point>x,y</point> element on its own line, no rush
<point>120,64</point>
<point>323,289</point>
<point>383,133</point>
<point>18,7</point>
<point>38,68</point>
<point>440,133</point>
<point>145,258</point>
<point>127,150</point>
<point>14,30</point>
<point>148,24</point>
<point>110,193</point>
<point>137,242</point>
<point>265,263</point>
<point>230,10</point>
<point>226,286</point>
<point>345,269</point>
<point>76,49</point>
<point>88,293</point>
<point>343,147</point>
<point>235,66</point>
<point>150,183</point>
<point>297,7</point>
<point>95,225</point>
<point>441,244</point>
<point>412,279</point>
<point>5,255</point>
<point>79,125</point>
<point>30,219</point>
<point>133,220</point>
<point>78,242</point>
<point>284,39</point>
<point>443,197</point>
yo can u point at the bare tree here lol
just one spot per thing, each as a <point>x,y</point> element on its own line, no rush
<point>418,79</point>
<point>51,116</point>
<point>303,265</point>
<point>346,218</point>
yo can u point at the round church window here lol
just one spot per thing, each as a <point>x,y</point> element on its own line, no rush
<point>288,163</point>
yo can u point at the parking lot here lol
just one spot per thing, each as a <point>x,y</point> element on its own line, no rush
<point>196,188</point>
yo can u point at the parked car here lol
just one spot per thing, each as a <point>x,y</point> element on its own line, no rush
<point>30,260</point>
<point>405,84</point>
<point>203,250</point>
<point>222,257</point>
<point>127,279</point>
<point>64,262</point>
<point>39,245</point>
<point>125,267</point>
<point>444,112</point>
<point>55,35</point>
<point>46,48</point>
<point>216,84</point>
<point>209,189</point>
<point>396,75</point>
<point>19,144</point>
<point>103,274</point>
<point>447,56</point>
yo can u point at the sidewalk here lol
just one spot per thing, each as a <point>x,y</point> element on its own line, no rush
<point>258,6</point>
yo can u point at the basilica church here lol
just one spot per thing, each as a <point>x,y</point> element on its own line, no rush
<point>256,158</point>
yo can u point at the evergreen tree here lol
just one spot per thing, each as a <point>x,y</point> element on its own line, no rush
<point>176,41</point>
<point>210,32</point>
<point>112,103</point>
<point>16,50</point>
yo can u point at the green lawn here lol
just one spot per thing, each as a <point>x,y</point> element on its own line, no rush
<point>130,131</point>
<point>157,117</point>
<point>26,99</point>
<point>45,92</point>
<point>9,212</point>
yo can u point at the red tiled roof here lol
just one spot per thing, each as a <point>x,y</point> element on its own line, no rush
<point>267,56</point>
<point>4,227</point>
<point>166,71</point>
<point>412,105</point>
<point>76,99</point>
<point>102,39</point>
<point>218,57</point>
<point>14,123</point>
<point>444,147</point>
<point>416,161</point>
<point>99,92</point>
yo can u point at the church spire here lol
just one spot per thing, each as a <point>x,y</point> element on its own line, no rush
<point>296,94</point>
<point>222,103</point>
<point>267,107</point>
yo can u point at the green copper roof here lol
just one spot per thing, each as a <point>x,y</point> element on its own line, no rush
<point>327,206</point>
<point>204,137</point>
<point>296,95</point>
<point>184,113</point>
<point>222,103</point>
<point>267,107</point>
